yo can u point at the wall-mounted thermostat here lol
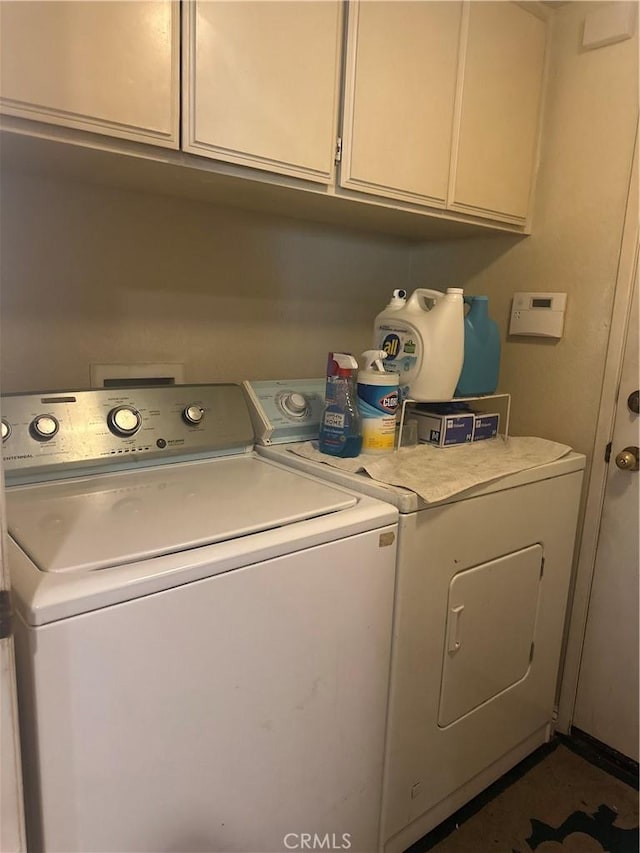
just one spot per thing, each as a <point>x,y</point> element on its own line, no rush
<point>540,314</point>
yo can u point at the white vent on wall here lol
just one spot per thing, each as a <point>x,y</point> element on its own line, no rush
<point>135,375</point>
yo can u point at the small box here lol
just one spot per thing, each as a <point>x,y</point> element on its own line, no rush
<point>538,314</point>
<point>485,426</point>
<point>444,430</point>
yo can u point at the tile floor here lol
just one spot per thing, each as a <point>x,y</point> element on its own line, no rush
<point>556,801</point>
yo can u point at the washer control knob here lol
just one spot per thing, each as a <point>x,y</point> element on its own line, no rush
<point>294,404</point>
<point>193,414</point>
<point>43,428</point>
<point>124,421</point>
<point>6,429</point>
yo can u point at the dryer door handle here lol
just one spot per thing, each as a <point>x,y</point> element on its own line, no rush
<point>454,629</point>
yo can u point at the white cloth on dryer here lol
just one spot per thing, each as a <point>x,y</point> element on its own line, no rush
<point>437,473</point>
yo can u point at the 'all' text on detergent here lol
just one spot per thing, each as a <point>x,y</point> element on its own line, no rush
<point>377,402</point>
<point>423,338</point>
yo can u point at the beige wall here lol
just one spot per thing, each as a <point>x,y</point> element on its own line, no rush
<point>91,274</point>
<point>591,114</point>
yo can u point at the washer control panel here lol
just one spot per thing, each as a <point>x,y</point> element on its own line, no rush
<point>50,431</point>
<point>285,410</point>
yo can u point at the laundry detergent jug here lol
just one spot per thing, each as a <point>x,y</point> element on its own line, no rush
<point>481,350</point>
<point>423,337</point>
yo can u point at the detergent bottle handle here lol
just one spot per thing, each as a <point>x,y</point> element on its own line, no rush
<point>414,299</point>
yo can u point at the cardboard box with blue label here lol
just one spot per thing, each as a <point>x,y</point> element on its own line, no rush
<point>444,429</point>
<point>450,425</point>
<point>485,426</point>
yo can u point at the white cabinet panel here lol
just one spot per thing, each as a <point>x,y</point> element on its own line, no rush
<point>399,100</point>
<point>501,91</point>
<point>262,84</point>
<point>107,67</point>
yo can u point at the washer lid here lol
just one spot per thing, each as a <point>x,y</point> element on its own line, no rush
<point>113,519</point>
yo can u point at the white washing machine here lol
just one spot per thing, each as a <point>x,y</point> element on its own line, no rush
<point>482,585</point>
<point>203,635</point>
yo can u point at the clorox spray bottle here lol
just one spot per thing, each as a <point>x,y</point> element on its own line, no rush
<point>378,403</point>
<point>340,431</point>
<point>424,342</point>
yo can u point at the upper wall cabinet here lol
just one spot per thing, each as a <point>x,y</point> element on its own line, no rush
<point>429,106</point>
<point>106,67</point>
<point>400,86</point>
<point>261,84</point>
<point>501,82</point>
<point>442,103</point>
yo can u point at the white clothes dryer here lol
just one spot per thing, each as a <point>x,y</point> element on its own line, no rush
<point>481,597</point>
<point>203,635</point>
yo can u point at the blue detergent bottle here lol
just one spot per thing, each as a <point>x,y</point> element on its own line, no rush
<point>481,365</point>
<point>340,427</point>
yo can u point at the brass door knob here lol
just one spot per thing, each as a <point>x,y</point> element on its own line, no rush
<point>627,459</point>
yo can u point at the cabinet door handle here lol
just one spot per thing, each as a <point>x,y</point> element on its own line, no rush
<point>454,628</point>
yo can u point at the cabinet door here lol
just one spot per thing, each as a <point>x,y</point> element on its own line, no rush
<point>402,60</point>
<point>107,67</point>
<point>501,91</point>
<point>262,84</point>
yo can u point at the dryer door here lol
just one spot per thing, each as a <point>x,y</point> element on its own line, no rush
<point>490,631</point>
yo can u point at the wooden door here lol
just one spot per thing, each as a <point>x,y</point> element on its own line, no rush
<point>502,69</point>
<point>261,84</point>
<point>402,60</point>
<point>612,398</point>
<point>607,698</point>
<point>107,67</point>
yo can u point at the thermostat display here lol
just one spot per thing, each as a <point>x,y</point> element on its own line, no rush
<point>538,314</point>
